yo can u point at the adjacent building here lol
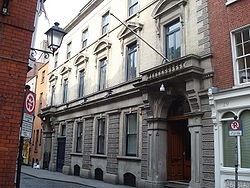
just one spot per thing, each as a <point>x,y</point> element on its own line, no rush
<point>36,140</point>
<point>15,40</point>
<point>230,97</point>
<point>117,111</point>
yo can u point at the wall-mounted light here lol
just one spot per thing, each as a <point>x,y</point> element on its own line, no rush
<point>54,40</point>
<point>162,88</point>
<point>5,6</point>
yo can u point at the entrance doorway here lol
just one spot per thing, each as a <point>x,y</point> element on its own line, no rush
<point>60,154</point>
<point>179,151</point>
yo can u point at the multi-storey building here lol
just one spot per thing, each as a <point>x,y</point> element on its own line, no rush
<point>119,112</point>
<point>17,26</point>
<point>230,36</point>
<point>36,140</point>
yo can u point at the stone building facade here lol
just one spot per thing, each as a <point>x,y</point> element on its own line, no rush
<point>119,112</point>
<point>229,99</point>
<point>16,28</point>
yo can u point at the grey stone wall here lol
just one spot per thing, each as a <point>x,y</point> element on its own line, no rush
<point>69,142</point>
<point>207,145</point>
<point>87,149</point>
<point>203,27</point>
<point>113,143</point>
<point>144,155</point>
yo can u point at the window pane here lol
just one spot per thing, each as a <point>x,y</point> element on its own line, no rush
<point>242,76</point>
<point>246,35</point>
<point>241,63</point>
<point>102,79</point>
<point>132,124</point>
<point>131,147</point>
<point>101,145</point>
<point>247,48</point>
<point>178,44</point>
<point>228,147</point>
<point>238,38</point>
<point>245,140</point>
<point>239,50</point>
<point>248,61</point>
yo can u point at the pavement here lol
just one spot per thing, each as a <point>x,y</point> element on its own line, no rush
<point>57,176</point>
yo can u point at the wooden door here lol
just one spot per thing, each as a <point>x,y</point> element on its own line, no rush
<point>178,160</point>
<point>60,154</point>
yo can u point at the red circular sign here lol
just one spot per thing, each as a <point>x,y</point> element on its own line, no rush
<point>235,125</point>
<point>29,103</point>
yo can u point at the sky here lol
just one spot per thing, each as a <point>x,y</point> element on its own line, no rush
<point>62,11</point>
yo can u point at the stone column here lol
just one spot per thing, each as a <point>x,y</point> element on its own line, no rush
<point>194,125</point>
<point>68,146</point>
<point>157,152</point>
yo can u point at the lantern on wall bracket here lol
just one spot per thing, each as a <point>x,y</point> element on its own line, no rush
<point>54,40</point>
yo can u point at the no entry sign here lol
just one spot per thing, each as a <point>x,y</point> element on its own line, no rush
<point>29,103</point>
<point>28,114</point>
<point>235,128</point>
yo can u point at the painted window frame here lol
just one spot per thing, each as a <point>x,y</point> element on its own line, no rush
<point>127,134</point>
<point>131,6</point>
<point>101,134</point>
<point>79,137</point>
<point>85,38</point>
<point>69,48</point>
<point>245,57</point>
<point>105,22</point>
<point>40,102</point>
<point>175,32</point>
<point>52,97</point>
<point>102,74</point>
<point>43,77</point>
<point>81,83</point>
<point>132,50</point>
<point>65,90</point>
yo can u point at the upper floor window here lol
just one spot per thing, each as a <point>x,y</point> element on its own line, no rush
<point>131,134</point>
<point>102,74</point>
<point>132,7</point>
<point>242,54</point>
<point>79,137</point>
<point>84,38</point>
<point>105,23</point>
<point>101,136</point>
<point>69,50</point>
<point>81,83</point>
<point>52,100</point>
<point>131,61</point>
<point>43,77</point>
<point>173,40</point>
<point>56,60</point>
<point>40,102</point>
<point>65,90</point>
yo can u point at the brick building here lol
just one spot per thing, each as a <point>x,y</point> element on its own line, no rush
<point>230,97</point>
<point>16,28</point>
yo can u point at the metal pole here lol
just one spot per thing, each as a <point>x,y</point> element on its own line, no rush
<point>20,148</point>
<point>164,58</point>
<point>236,162</point>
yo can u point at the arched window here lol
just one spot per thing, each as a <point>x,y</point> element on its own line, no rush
<point>245,139</point>
<point>129,179</point>
<point>98,174</point>
<point>228,141</point>
<point>76,170</point>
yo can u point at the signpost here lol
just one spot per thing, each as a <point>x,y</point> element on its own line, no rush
<point>235,128</point>
<point>25,126</point>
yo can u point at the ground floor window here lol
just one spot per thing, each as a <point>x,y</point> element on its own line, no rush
<point>243,144</point>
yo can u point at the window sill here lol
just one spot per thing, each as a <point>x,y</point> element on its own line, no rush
<point>76,154</point>
<point>130,158</point>
<point>98,156</point>
<point>229,2</point>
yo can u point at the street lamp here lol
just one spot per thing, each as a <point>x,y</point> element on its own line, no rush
<point>54,39</point>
